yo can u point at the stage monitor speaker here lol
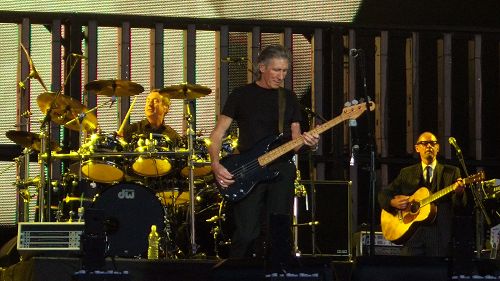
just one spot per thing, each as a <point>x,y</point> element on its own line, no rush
<point>333,215</point>
<point>397,268</point>
<point>251,269</point>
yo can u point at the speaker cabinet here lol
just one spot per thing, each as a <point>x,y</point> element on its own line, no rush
<point>331,208</point>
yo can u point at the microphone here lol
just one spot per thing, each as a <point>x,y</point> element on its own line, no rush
<point>453,142</point>
<point>78,56</point>
<point>355,52</point>
<point>113,100</point>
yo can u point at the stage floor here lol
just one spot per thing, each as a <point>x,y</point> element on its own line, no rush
<point>376,268</point>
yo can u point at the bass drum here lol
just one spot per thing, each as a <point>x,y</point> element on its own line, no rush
<point>129,211</point>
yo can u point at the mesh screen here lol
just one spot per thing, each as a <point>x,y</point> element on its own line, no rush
<point>310,10</point>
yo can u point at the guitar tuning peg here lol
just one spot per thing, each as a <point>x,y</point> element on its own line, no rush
<point>354,102</point>
<point>347,104</point>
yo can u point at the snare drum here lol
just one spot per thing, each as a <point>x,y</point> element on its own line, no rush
<point>104,169</point>
<point>154,160</point>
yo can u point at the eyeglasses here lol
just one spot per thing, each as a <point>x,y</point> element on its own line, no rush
<point>426,143</point>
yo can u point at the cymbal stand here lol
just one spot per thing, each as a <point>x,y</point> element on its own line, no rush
<point>44,204</point>
<point>299,191</point>
<point>190,135</point>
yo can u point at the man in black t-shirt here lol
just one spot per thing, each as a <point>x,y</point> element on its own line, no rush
<point>255,108</point>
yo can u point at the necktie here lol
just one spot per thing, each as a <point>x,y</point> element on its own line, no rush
<point>428,176</point>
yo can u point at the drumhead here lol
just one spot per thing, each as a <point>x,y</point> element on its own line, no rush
<point>129,209</point>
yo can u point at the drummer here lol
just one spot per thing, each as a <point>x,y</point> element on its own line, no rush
<point>157,106</point>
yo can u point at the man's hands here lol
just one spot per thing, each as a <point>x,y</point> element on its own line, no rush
<point>222,175</point>
<point>400,201</point>
<point>311,140</point>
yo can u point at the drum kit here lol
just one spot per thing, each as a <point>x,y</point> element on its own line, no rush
<point>149,180</point>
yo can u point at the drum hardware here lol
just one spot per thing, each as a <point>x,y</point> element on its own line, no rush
<point>114,88</point>
<point>185,91</point>
<point>151,165</point>
<point>129,211</point>
<point>65,109</point>
<point>188,92</point>
<point>29,140</point>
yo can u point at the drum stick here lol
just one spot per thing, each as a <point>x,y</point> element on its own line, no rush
<point>120,131</point>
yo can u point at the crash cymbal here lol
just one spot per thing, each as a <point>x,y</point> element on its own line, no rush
<point>31,140</point>
<point>185,91</point>
<point>65,109</point>
<point>112,87</point>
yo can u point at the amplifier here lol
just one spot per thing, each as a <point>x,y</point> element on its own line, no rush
<point>38,237</point>
<point>361,244</point>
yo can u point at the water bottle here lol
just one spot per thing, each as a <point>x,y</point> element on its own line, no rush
<point>153,241</point>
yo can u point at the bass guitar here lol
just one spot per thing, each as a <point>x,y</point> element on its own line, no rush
<point>250,168</point>
<point>399,226</point>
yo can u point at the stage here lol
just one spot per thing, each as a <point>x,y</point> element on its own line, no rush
<point>374,268</point>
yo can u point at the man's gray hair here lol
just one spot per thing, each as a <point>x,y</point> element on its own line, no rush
<point>268,53</point>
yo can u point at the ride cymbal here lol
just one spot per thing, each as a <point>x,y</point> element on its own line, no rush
<point>185,91</point>
<point>65,109</point>
<point>31,140</point>
<point>113,87</point>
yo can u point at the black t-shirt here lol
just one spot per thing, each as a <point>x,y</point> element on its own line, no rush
<point>144,128</point>
<point>256,111</point>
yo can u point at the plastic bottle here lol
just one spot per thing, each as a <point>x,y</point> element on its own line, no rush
<point>153,241</point>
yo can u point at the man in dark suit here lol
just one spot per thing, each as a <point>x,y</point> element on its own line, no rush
<point>431,239</point>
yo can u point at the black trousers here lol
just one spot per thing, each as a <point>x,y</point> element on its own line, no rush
<point>253,213</point>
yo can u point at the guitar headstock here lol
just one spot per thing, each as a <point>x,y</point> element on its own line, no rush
<point>479,176</point>
<point>353,110</point>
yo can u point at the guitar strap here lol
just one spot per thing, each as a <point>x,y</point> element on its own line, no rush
<point>281,108</point>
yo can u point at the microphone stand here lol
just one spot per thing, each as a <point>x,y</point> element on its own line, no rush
<point>361,59</point>
<point>311,115</point>
<point>478,203</point>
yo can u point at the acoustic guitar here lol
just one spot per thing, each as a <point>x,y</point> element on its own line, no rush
<point>399,226</point>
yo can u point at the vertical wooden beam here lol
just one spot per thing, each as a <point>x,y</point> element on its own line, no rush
<point>222,73</point>
<point>23,105</point>
<point>317,88</point>
<point>253,52</point>
<point>124,56</point>
<point>156,65</point>
<point>444,91</point>
<point>412,55</point>
<point>288,44</point>
<point>91,65</point>
<point>56,78</point>
<point>382,112</point>
<point>476,97</point>
<point>190,69</point>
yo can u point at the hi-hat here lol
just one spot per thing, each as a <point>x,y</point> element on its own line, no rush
<point>65,109</point>
<point>113,87</point>
<point>31,140</point>
<point>185,91</point>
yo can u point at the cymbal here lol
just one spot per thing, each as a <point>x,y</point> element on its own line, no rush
<point>112,87</point>
<point>66,109</point>
<point>185,91</point>
<point>28,139</point>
